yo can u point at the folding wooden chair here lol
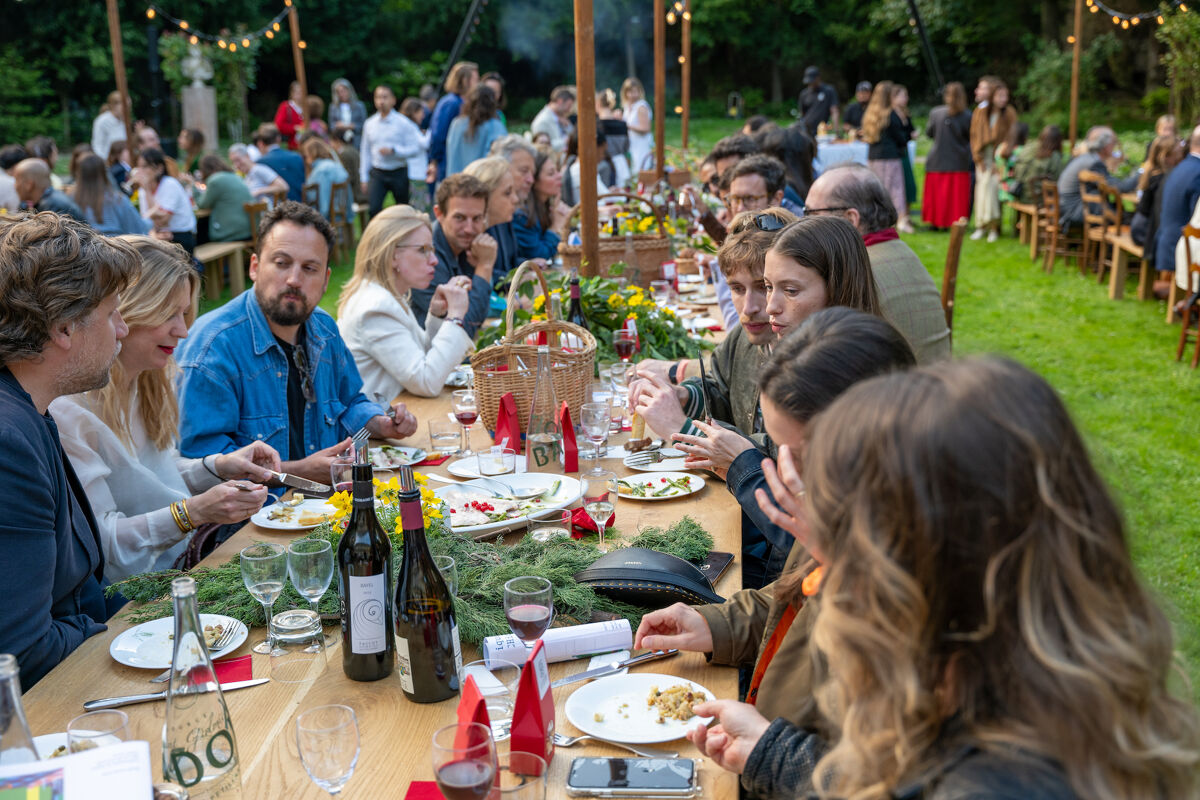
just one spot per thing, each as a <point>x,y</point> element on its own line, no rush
<point>1191,309</point>
<point>1058,242</point>
<point>950,275</point>
<point>1094,220</point>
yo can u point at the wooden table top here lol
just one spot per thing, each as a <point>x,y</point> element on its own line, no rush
<point>395,732</point>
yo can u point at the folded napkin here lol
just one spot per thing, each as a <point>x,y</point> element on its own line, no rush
<point>234,668</point>
<point>431,461</point>
<point>423,790</point>
<point>583,525</point>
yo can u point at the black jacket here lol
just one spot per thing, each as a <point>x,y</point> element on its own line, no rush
<point>951,150</point>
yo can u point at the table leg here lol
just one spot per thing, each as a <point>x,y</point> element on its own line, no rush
<point>237,272</point>
<point>1145,289</point>
<point>1116,280</point>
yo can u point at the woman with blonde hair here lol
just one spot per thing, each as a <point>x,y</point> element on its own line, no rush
<point>463,77</point>
<point>638,117</point>
<point>123,439</point>
<point>887,128</point>
<point>983,628</point>
<point>393,351</point>
<point>324,170</point>
<point>496,173</point>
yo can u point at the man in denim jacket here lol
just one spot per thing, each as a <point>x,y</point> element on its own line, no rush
<point>271,366</point>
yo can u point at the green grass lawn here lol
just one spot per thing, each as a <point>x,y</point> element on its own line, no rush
<point>1114,365</point>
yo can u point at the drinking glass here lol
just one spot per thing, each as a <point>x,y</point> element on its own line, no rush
<point>661,292</point>
<point>298,646</point>
<point>551,525</point>
<point>497,680</point>
<point>341,472</point>
<point>522,777</point>
<point>601,391</point>
<point>327,737</point>
<point>624,343</point>
<point>98,729</point>
<point>449,570</point>
<point>310,566</point>
<point>445,437</point>
<point>466,411</point>
<point>595,419</point>
<point>529,607</point>
<point>599,496</point>
<point>621,375</point>
<point>497,461</point>
<point>264,569</point>
<point>464,760</point>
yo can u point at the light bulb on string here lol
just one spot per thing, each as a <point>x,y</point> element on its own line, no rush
<point>221,44</point>
<point>1125,24</point>
<point>270,34</point>
<point>670,17</point>
<point>302,44</point>
<point>1116,21</point>
<point>1160,20</point>
<point>1136,20</point>
<point>183,24</point>
<point>232,47</point>
<point>682,59</point>
<point>193,40</point>
<point>1070,40</point>
<point>150,13</point>
<point>678,109</point>
<point>245,42</point>
<point>687,15</point>
<point>276,27</point>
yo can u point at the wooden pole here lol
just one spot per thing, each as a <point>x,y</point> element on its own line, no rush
<point>585,88</point>
<point>298,57</point>
<point>1074,127</point>
<point>660,86</point>
<point>686,76</point>
<point>118,54</point>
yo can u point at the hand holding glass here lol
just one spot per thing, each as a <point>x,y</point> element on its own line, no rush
<point>264,569</point>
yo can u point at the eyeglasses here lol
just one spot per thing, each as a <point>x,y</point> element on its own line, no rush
<point>768,223</point>
<point>300,359</point>
<point>424,249</point>
<point>745,199</point>
<point>809,212</point>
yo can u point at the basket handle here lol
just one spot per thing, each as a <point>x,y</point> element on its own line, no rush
<point>517,278</point>
<point>658,214</point>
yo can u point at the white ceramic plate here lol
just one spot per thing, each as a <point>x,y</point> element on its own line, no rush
<point>691,277</point>
<point>672,464</point>
<point>696,323</point>
<point>567,493</point>
<point>392,456</point>
<point>47,743</point>
<point>469,467</point>
<point>695,481</point>
<point>636,723</point>
<point>149,645</point>
<point>313,506</point>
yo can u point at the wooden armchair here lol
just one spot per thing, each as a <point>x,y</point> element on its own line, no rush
<point>339,217</point>
<point>950,275</point>
<point>1094,221</point>
<point>1057,243</point>
<point>1192,308</point>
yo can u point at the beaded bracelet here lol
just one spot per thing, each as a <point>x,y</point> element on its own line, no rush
<point>180,515</point>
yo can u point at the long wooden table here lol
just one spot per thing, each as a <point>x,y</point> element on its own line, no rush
<point>395,732</point>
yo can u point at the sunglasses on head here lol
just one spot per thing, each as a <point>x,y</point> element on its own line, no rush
<point>768,223</point>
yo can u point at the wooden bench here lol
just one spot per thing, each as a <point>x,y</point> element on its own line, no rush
<point>216,256</point>
<point>1026,224</point>
<point>1123,248</point>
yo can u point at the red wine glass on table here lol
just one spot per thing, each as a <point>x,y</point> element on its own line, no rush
<point>466,411</point>
<point>599,496</point>
<point>529,607</point>
<point>464,761</point>
<point>624,343</point>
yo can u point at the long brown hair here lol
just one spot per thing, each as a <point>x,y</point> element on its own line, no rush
<point>978,584</point>
<point>1049,141</point>
<point>539,209</point>
<point>955,98</point>
<point>875,118</point>
<point>478,108</point>
<point>831,247</point>
<point>1156,159</point>
<point>92,184</point>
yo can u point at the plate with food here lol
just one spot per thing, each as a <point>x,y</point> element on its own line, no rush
<point>300,513</point>
<point>149,645</point>
<point>672,461</point>
<point>659,486</point>
<point>51,745</point>
<point>699,323</point>
<point>482,508</point>
<point>637,708</point>
<point>390,456</point>
<point>469,467</point>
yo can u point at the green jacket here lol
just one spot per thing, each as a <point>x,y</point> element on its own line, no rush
<point>910,300</point>
<point>732,386</point>
<point>225,193</point>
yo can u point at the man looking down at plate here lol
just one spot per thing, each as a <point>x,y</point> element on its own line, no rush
<point>270,365</point>
<point>60,331</point>
<point>121,438</point>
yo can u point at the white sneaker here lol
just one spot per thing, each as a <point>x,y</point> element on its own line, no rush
<point>977,235</point>
<point>993,236</point>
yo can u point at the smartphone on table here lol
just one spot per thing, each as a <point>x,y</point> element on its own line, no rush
<point>633,777</point>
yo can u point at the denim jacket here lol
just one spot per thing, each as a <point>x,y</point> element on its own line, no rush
<point>233,384</point>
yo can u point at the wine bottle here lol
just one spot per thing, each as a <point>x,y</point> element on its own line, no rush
<point>199,749</point>
<point>364,558</point>
<point>543,438</point>
<point>428,650</point>
<point>16,742</point>
<point>575,310</point>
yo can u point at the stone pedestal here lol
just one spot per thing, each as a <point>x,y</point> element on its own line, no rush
<point>200,112</point>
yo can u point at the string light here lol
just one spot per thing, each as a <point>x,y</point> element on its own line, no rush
<point>682,59</point>
<point>1070,40</point>
<point>302,44</point>
<point>270,34</point>
<point>687,15</point>
<point>670,17</point>
<point>154,12</point>
<point>221,43</point>
<point>245,42</point>
<point>149,13</point>
<point>183,24</point>
<point>275,27</point>
<point>1127,20</point>
<point>193,40</point>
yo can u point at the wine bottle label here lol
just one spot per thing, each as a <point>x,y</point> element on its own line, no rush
<point>457,650</point>
<point>404,665</point>
<point>410,516</point>
<point>367,600</point>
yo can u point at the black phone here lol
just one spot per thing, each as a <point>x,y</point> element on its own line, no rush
<point>633,777</point>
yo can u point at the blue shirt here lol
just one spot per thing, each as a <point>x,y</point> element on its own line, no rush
<point>449,266</point>
<point>119,216</point>
<point>461,151</point>
<point>233,384</point>
<point>444,112</point>
<point>532,241</point>
<point>290,167</point>
<point>325,173</point>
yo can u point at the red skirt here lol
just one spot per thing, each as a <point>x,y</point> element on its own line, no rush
<point>947,198</point>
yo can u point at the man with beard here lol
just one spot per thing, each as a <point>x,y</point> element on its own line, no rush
<point>60,332</point>
<point>271,366</point>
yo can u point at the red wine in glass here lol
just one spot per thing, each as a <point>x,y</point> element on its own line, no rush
<point>624,348</point>
<point>344,486</point>
<point>528,621</point>
<point>465,780</point>
<point>466,418</point>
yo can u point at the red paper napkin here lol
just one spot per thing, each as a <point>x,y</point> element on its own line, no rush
<point>234,668</point>
<point>431,461</point>
<point>583,525</point>
<point>423,790</point>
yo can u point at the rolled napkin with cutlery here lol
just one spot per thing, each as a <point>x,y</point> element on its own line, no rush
<point>566,643</point>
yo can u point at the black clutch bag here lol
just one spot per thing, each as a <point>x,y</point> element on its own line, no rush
<point>648,578</point>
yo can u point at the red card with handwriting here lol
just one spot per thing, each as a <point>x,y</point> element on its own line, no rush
<point>533,714</point>
<point>570,446</point>
<point>508,424</point>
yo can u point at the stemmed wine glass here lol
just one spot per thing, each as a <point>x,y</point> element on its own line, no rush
<point>466,411</point>
<point>327,737</point>
<point>599,495</point>
<point>264,570</point>
<point>310,566</point>
<point>464,760</point>
<point>595,419</point>
<point>529,607</point>
<point>624,343</point>
<point>661,292</point>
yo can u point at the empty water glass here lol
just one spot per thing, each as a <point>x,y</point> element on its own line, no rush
<point>327,737</point>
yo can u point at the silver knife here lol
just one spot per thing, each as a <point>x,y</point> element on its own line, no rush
<point>131,699</point>
<point>300,483</point>
<point>616,666</point>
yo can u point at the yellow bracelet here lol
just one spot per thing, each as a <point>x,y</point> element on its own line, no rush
<point>179,514</point>
<point>183,512</point>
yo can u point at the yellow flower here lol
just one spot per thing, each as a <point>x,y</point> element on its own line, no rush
<point>420,479</point>
<point>615,300</point>
<point>342,502</point>
<point>539,302</point>
<point>538,318</point>
<point>669,313</point>
<point>631,315</point>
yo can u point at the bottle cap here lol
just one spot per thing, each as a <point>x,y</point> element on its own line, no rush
<point>361,454</point>
<point>8,665</point>
<point>407,482</point>
<point>183,586</point>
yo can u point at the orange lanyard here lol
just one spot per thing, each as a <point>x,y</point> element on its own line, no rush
<point>810,586</point>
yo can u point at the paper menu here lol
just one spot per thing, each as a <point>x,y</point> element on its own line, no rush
<point>563,644</point>
<point>116,772</point>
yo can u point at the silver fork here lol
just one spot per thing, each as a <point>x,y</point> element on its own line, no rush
<point>226,637</point>
<point>645,457</point>
<point>562,740</point>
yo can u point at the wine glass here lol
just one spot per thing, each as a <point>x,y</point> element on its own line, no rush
<point>310,566</point>
<point>595,419</point>
<point>264,570</point>
<point>466,411</point>
<point>624,343</point>
<point>97,729</point>
<point>327,737</point>
<point>599,495</point>
<point>449,570</point>
<point>464,760</point>
<point>620,375</point>
<point>529,607</point>
<point>661,292</point>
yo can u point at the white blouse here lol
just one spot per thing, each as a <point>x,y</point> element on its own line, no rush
<point>391,350</point>
<point>130,492</point>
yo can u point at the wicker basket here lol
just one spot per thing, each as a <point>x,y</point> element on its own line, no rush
<point>510,365</point>
<point>652,249</point>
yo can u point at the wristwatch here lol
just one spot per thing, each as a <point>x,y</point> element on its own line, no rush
<point>455,321</point>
